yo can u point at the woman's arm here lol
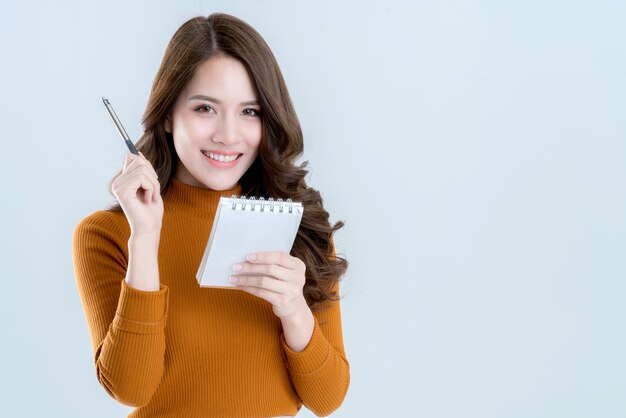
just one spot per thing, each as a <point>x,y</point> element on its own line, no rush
<point>298,329</point>
<point>126,323</point>
<point>320,371</point>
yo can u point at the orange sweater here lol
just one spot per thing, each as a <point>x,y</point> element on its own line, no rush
<point>191,351</point>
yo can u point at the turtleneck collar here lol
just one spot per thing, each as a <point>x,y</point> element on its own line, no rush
<point>181,195</point>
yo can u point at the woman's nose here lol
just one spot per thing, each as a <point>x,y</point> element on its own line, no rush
<point>227,131</point>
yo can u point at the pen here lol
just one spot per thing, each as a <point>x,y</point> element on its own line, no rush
<point>119,126</point>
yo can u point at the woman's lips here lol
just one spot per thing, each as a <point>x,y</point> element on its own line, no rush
<point>226,153</point>
<point>220,164</point>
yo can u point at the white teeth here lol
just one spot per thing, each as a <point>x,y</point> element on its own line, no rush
<point>221,158</point>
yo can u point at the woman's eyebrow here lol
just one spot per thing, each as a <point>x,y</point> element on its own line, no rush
<point>214,100</point>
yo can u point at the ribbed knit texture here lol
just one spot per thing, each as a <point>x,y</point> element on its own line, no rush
<point>190,351</point>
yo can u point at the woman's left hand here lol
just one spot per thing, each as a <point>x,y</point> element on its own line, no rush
<point>281,281</point>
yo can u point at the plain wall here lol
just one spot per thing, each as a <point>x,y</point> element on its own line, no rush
<point>476,151</point>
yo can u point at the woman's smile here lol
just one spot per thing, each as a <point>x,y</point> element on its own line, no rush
<point>221,161</point>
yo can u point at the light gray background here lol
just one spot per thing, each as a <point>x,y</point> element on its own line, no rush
<point>475,149</point>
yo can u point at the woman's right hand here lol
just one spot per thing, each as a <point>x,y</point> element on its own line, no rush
<point>138,191</point>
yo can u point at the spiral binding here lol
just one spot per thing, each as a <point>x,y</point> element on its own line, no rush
<point>271,203</point>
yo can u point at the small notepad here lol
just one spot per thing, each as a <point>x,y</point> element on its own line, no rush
<point>245,226</point>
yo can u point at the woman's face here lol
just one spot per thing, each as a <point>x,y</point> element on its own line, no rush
<point>216,114</point>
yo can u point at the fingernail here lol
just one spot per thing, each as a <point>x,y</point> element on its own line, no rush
<point>251,257</point>
<point>234,279</point>
<point>237,267</point>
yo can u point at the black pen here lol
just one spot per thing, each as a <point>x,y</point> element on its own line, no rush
<point>119,126</point>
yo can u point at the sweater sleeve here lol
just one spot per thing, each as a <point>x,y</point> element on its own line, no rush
<point>126,325</point>
<point>321,372</point>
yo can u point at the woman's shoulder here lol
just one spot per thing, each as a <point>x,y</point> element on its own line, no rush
<point>104,223</point>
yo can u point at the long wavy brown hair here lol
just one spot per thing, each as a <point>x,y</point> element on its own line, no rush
<point>273,173</point>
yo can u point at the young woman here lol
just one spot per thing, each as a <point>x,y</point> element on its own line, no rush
<point>161,342</point>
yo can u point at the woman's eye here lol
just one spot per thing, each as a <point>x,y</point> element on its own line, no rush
<point>256,112</point>
<point>209,108</point>
<point>204,107</point>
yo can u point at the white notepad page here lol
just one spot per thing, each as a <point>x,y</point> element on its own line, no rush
<point>242,231</point>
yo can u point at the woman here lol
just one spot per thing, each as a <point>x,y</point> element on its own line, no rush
<point>163,344</point>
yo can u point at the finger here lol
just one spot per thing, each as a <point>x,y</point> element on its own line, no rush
<point>139,162</point>
<point>134,168</point>
<point>127,160</point>
<point>279,258</point>
<point>145,168</point>
<point>148,164</point>
<point>263,282</point>
<point>273,270</point>
<point>157,190</point>
<point>148,185</point>
<point>268,295</point>
<point>132,160</point>
<point>138,181</point>
<point>126,182</point>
